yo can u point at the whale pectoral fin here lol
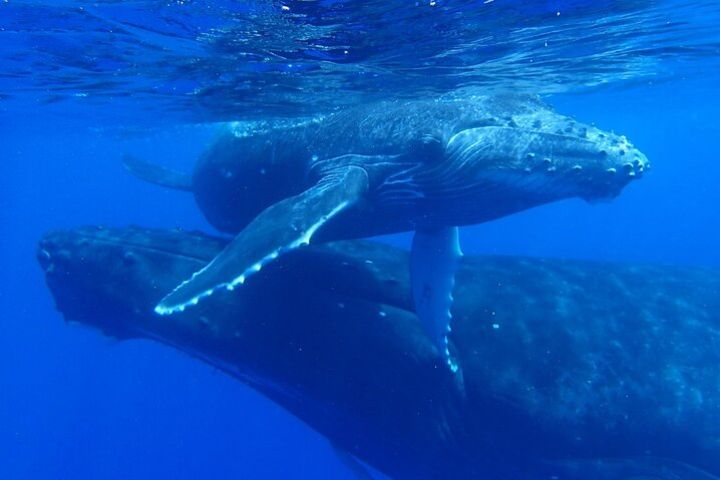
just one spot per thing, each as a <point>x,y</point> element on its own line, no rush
<point>285,226</point>
<point>157,174</point>
<point>433,262</point>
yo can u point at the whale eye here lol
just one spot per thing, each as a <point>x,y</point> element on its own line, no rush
<point>427,148</point>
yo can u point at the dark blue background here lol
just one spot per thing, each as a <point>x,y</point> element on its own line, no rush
<point>74,404</point>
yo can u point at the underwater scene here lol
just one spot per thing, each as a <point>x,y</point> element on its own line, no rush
<point>343,239</point>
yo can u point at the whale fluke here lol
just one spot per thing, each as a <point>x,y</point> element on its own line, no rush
<point>157,174</point>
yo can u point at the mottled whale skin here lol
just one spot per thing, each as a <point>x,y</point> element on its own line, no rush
<point>426,166</point>
<point>573,370</point>
<point>516,136</point>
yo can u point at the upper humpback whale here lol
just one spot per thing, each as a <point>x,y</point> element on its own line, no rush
<point>424,166</point>
<point>573,370</point>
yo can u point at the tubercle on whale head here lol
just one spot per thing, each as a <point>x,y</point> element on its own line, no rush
<point>84,284</point>
<point>573,159</point>
<point>109,279</point>
<point>619,163</point>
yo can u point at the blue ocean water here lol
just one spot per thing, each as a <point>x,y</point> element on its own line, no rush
<point>82,83</point>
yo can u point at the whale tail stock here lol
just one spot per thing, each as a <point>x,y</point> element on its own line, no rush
<point>157,174</point>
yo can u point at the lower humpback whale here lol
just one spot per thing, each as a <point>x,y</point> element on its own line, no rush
<point>425,166</point>
<point>573,370</point>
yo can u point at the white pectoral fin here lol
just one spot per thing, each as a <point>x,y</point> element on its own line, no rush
<point>433,262</point>
<point>285,226</point>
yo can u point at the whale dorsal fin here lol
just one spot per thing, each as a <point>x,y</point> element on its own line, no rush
<point>433,262</point>
<point>157,174</point>
<point>284,226</point>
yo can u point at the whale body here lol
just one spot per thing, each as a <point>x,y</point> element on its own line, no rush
<point>426,166</point>
<point>572,370</point>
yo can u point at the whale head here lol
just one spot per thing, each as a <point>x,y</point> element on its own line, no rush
<point>99,275</point>
<point>545,156</point>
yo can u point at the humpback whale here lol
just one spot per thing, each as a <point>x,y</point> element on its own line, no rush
<point>426,166</point>
<point>573,370</point>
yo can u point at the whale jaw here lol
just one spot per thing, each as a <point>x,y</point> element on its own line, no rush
<point>533,155</point>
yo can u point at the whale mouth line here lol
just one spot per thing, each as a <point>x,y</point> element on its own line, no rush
<point>537,182</point>
<point>118,242</point>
